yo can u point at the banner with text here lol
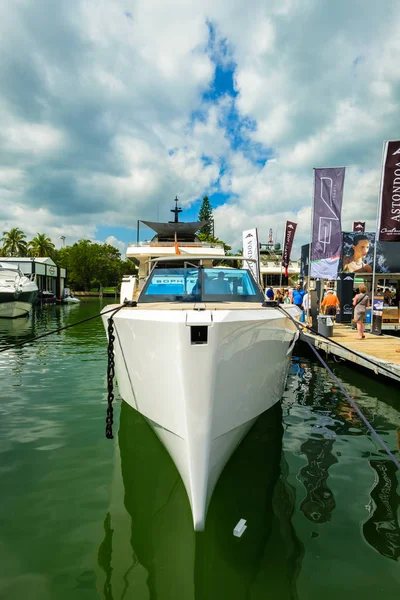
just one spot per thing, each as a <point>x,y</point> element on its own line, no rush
<point>389,218</point>
<point>251,249</point>
<point>359,226</point>
<point>287,245</point>
<point>327,226</point>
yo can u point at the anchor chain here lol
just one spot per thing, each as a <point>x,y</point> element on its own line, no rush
<point>110,379</point>
<point>111,370</point>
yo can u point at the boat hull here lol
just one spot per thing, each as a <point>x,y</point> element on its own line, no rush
<point>16,305</point>
<point>201,399</point>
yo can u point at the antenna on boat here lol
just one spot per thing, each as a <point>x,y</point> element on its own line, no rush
<point>176,211</point>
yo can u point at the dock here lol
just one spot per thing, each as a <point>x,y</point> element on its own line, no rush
<point>381,349</point>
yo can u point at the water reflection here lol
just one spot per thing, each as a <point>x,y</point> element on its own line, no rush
<point>382,530</point>
<point>319,502</point>
<point>167,559</point>
<point>330,416</point>
<point>17,330</point>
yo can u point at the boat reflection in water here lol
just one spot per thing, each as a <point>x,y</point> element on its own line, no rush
<point>382,530</point>
<point>319,502</point>
<point>156,553</point>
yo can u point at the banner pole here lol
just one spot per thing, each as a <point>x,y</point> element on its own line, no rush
<point>378,216</point>
<point>283,249</point>
<point>309,249</point>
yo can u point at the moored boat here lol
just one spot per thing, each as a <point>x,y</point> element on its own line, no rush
<point>201,356</point>
<point>17,291</point>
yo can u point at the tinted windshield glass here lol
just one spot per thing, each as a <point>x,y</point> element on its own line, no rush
<point>193,285</point>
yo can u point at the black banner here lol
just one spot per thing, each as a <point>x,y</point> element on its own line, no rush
<point>287,244</point>
<point>389,221</point>
<point>377,313</point>
<point>345,286</point>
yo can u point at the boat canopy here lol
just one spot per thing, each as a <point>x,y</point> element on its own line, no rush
<point>198,284</point>
<point>7,266</point>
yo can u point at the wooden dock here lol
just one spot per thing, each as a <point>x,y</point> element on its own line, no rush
<point>380,349</point>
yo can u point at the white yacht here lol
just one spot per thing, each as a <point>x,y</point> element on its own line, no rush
<point>201,355</point>
<point>169,239</point>
<point>17,291</point>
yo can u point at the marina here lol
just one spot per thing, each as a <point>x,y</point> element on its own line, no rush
<point>199,301</point>
<point>314,488</point>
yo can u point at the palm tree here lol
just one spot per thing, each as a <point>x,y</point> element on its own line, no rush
<point>14,243</point>
<point>41,245</point>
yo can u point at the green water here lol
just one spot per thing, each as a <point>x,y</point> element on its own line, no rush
<point>84,518</point>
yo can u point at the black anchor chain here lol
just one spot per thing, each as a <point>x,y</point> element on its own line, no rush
<point>111,371</point>
<point>110,379</point>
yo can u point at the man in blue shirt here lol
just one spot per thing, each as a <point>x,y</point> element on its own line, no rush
<point>270,293</point>
<point>298,295</point>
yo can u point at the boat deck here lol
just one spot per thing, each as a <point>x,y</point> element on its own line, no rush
<point>380,349</point>
<point>206,306</point>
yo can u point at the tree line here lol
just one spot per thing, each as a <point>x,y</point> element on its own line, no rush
<point>89,265</point>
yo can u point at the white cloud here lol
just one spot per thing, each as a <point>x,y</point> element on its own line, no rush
<point>113,241</point>
<point>105,118</point>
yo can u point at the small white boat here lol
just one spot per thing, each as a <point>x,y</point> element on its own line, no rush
<point>17,291</point>
<point>71,300</point>
<point>69,297</point>
<point>201,356</point>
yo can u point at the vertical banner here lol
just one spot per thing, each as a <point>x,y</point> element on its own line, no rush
<point>389,217</point>
<point>359,226</point>
<point>327,225</point>
<point>287,245</point>
<point>305,254</point>
<point>251,249</point>
<point>377,312</point>
<point>345,285</point>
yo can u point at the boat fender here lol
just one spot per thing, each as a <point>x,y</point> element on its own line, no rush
<point>292,344</point>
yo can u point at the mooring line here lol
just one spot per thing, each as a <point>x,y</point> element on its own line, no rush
<point>38,337</point>
<point>352,402</point>
<point>335,343</point>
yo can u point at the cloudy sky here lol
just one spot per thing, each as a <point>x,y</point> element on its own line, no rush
<point>109,109</point>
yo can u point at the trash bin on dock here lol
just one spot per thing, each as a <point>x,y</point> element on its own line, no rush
<point>325,325</point>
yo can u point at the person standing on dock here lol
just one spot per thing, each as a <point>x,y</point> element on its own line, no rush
<point>307,308</point>
<point>360,303</point>
<point>270,293</point>
<point>330,303</point>
<point>297,296</point>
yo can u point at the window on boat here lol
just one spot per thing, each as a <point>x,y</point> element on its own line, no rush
<point>219,284</point>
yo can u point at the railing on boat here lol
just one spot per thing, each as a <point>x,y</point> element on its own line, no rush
<point>171,244</point>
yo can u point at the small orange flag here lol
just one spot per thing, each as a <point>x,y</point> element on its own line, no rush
<point>177,251</point>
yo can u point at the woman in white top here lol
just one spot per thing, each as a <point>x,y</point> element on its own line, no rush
<point>307,307</point>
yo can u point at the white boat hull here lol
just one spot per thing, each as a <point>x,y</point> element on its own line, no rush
<point>201,399</point>
<point>11,308</point>
<point>71,300</point>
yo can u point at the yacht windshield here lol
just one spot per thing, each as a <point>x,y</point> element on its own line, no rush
<point>220,284</point>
